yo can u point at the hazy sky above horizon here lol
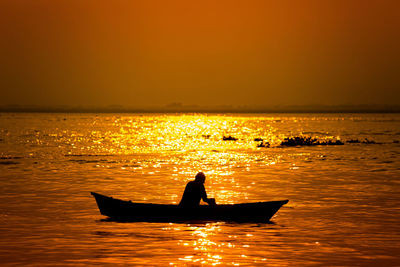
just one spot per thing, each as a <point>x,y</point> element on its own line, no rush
<point>256,52</point>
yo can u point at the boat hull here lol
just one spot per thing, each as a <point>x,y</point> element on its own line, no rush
<point>121,210</point>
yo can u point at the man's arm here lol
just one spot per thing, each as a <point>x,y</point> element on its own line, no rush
<point>209,201</point>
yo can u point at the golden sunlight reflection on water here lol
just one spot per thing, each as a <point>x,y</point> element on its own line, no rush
<point>343,209</point>
<point>205,248</point>
<point>200,139</point>
<point>180,133</point>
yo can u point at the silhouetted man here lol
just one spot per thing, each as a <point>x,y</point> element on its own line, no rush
<point>195,191</point>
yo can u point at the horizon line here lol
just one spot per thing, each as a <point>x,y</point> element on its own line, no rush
<point>362,108</point>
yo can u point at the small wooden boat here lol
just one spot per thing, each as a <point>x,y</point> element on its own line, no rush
<point>121,210</point>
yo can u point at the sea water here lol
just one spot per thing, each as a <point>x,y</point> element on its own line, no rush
<point>344,200</point>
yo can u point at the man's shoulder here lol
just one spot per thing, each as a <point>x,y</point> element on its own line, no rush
<point>193,183</point>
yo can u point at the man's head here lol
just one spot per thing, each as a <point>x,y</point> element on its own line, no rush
<point>200,177</point>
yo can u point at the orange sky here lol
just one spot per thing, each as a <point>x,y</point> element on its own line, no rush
<point>139,53</point>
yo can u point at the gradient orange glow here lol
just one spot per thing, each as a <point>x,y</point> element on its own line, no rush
<point>199,52</point>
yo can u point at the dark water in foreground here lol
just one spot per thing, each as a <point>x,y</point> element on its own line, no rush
<point>344,204</point>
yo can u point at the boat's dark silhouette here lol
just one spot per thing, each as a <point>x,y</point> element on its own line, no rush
<point>120,210</point>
